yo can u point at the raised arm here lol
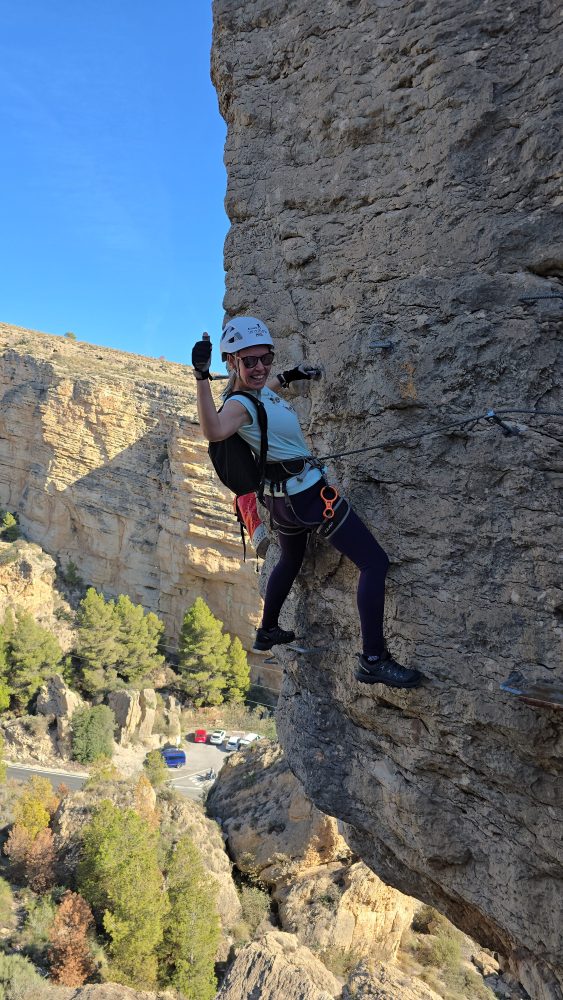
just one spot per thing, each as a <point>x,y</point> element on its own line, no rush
<point>214,426</point>
<point>218,426</point>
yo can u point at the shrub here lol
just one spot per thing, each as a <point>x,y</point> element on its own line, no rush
<point>35,805</point>
<point>155,768</point>
<point>255,905</point>
<point>102,772</point>
<point>32,859</point>
<point>70,335</point>
<point>36,725</point>
<point>339,961</point>
<point>70,957</point>
<point>19,979</point>
<point>34,936</point>
<point>8,556</point>
<point>427,920</point>
<point>39,862</point>
<point>9,527</point>
<point>92,733</point>
<point>6,904</point>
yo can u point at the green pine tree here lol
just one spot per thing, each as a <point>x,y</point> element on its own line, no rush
<point>202,655</point>
<point>191,928</point>
<point>34,655</point>
<point>138,638</point>
<point>237,674</point>
<point>120,877</point>
<point>92,733</point>
<point>98,642</point>
<point>9,528</point>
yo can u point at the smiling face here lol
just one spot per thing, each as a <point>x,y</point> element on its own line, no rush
<point>255,377</point>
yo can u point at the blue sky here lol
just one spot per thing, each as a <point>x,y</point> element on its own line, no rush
<point>111,173</point>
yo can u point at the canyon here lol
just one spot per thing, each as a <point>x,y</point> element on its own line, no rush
<point>102,460</point>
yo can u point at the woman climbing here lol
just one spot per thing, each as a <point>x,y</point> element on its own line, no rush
<point>296,492</point>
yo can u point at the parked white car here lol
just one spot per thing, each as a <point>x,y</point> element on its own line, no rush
<point>232,743</point>
<point>217,737</point>
<point>247,739</point>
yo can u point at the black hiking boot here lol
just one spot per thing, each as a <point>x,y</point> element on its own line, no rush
<point>268,637</point>
<point>385,670</point>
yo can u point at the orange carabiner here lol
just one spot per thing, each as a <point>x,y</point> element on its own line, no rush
<point>329,502</point>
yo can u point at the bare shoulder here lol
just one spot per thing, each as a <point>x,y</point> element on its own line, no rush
<point>233,408</point>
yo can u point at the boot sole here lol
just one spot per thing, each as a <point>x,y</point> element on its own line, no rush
<point>263,647</point>
<point>366,679</point>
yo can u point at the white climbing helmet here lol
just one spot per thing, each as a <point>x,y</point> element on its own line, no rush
<point>243,331</point>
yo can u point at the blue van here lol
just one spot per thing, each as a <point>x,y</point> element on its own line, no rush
<point>173,757</point>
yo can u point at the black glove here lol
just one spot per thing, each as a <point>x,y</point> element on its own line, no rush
<point>201,358</point>
<point>304,370</point>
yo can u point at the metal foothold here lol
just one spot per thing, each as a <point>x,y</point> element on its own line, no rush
<point>382,344</point>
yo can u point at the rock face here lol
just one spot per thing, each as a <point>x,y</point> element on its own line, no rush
<point>27,584</point>
<point>135,713</point>
<point>101,457</point>
<point>331,902</point>
<point>391,174</point>
<point>276,966</point>
<point>57,702</point>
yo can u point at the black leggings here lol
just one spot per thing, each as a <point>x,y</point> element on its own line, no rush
<point>352,538</point>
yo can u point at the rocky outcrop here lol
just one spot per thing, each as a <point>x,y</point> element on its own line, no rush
<point>30,740</point>
<point>386,983</point>
<point>55,699</point>
<point>331,902</point>
<point>346,909</point>
<point>271,828</point>
<point>391,178</point>
<point>28,584</point>
<point>102,459</point>
<point>57,702</point>
<point>135,713</point>
<point>275,966</point>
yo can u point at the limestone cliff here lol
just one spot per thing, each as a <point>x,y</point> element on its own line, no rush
<point>101,457</point>
<point>392,177</point>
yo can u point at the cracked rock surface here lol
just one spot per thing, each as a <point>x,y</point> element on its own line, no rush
<point>392,177</point>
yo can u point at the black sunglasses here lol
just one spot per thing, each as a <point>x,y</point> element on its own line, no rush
<point>250,361</point>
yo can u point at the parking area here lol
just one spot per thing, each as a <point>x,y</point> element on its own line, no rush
<point>191,780</point>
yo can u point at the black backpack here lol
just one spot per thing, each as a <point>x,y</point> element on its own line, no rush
<point>234,461</point>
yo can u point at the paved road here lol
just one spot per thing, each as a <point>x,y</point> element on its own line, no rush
<point>23,772</point>
<point>190,780</point>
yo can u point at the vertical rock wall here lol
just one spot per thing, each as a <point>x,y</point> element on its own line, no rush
<point>392,177</point>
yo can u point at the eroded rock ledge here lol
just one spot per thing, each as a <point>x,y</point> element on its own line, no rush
<point>391,176</point>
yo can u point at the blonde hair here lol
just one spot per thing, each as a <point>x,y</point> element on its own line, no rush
<point>230,384</point>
